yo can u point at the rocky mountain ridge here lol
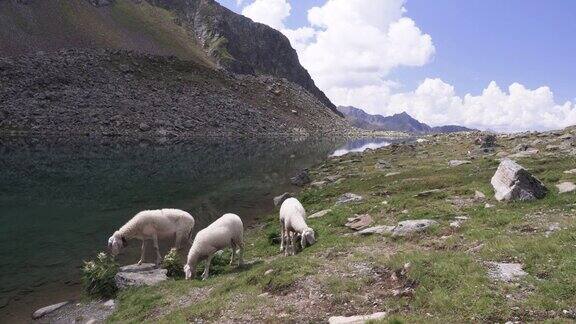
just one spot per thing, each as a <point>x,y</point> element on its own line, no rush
<point>202,31</point>
<point>121,93</point>
<point>402,122</point>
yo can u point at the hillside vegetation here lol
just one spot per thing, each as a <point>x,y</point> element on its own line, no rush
<point>442,274</point>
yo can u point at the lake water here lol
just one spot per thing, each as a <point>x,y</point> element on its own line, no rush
<point>60,201</point>
<point>360,145</point>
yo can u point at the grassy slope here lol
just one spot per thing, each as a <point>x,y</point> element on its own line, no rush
<point>126,24</point>
<point>350,275</point>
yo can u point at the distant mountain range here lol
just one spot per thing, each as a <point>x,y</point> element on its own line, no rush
<point>399,122</point>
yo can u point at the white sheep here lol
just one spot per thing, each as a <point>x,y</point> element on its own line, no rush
<point>153,225</point>
<point>226,231</point>
<point>293,225</point>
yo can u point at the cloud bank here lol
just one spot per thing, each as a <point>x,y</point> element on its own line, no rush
<point>351,46</point>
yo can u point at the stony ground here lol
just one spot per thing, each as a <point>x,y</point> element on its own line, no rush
<point>477,260</point>
<point>116,93</point>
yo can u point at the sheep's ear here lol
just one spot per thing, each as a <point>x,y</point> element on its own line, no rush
<point>124,242</point>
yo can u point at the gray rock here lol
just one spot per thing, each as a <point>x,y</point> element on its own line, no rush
<point>408,227</point>
<point>318,184</point>
<point>454,163</point>
<point>144,127</point>
<point>139,276</point>
<point>479,195</point>
<point>506,272</point>
<point>565,187</point>
<point>359,222</point>
<point>390,174</point>
<point>573,171</point>
<point>301,179</point>
<point>427,193</point>
<point>349,198</point>
<point>528,152</point>
<point>382,164</point>
<point>332,178</point>
<point>48,309</point>
<point>488,141</point>
<point>278,200</point>
<point>358,319</point>
<point>380,229</point>
<point>552,147</point>
<point>321,213</point>
<point>566,136</point>
<point>138,267</point>
<point>512,182</point>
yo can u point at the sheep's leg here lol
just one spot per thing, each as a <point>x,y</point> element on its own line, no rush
<point>158,256</point>
<point>178,241</point>
<point>207,268</point>
<point>233,246</point>
<point>293,243</point>
<point>282,233</point>
<point>142,253</point>
<point>240,255</point>
<point>289,244</point>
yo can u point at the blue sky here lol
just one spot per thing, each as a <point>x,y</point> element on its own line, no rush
<point>475,42</point>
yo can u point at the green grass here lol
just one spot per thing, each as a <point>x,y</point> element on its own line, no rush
<point>451,282</point>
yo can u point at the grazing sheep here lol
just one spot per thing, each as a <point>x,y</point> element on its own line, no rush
<point>153,225</point>
<point>293,225</point>
<point>226,231</point>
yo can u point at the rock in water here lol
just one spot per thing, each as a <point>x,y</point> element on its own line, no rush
<point>146,274</point>
<point>566,187</point>
<point>48,309</point>
<point>512,182</point>
<point>278,200</point>
<point>358,319</point>
<point>301,179</point>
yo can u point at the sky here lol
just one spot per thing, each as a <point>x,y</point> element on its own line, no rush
<point>487,64</point>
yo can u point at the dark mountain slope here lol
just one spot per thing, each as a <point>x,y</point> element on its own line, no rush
<point>120,93</point>
<point>199,30</point>
<point>398,122</point>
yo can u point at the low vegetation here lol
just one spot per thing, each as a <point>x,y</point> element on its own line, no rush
<point>439,275</point>
<point>98,276</point>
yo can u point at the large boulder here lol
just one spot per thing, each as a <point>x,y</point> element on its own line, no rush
<point>278,200</point>
<point>146,274</point>
<point>512,182</point>
<point>301,179</point>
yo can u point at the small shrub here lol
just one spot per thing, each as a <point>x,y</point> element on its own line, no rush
<point>173,264</point>
<point>98,276</point>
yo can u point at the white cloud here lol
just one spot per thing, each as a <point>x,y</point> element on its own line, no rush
<point>269,12</point>
<point>436,102</point>
<point>350,46</point>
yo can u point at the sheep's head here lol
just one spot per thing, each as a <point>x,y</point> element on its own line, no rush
<point>308,237</point>
<point>116,242</point>
<point>189,271</point>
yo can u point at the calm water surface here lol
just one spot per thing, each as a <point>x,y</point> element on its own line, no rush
<point>59,202</point>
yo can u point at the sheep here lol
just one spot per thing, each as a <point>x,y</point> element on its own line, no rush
<point>153,225</point>
<point>293,224</point>
<point>226,231</point>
